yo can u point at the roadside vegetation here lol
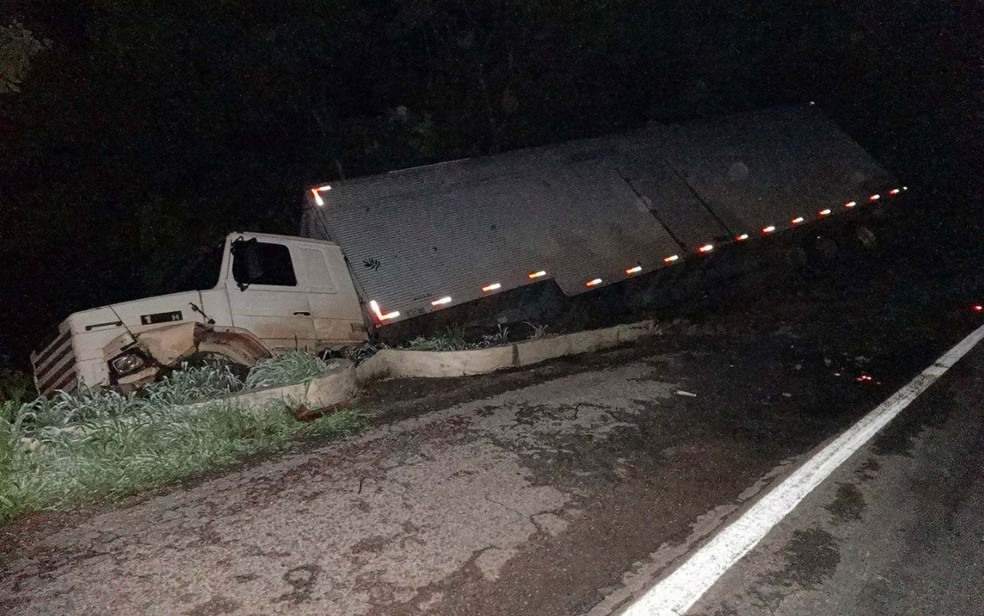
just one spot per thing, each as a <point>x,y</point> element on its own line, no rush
<point>72,449</point>
<point>453,338</point>
<point>98,444</point>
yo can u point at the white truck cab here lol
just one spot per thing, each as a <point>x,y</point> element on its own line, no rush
<point>251,296</point>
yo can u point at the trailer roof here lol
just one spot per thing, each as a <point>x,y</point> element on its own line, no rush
<point>588,210</point>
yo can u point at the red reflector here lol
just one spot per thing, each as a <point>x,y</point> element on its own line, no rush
<point>440,302</point>
<point>634,270</point>
<point>824,212</point>
<point>894,191</point>
<point>495,286</point>
<point>850,204</point>
<point>978,308</point>
<point>671,258</point>
<point>593,283</point>
<point>768,229</point>
<point>742,237</point>
<point>706,248</point>
<point>797,220</point>
<point>539,274</point>
<point>875,197</point>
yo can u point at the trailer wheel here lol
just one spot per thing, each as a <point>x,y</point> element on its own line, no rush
<point>861,237</point>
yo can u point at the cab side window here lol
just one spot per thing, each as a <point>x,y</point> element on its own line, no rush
<point>264,263</point>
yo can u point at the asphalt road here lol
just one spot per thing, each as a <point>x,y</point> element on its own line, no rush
<point>568,488</point>
<point>897,530</point>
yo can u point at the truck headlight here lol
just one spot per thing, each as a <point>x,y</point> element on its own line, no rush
<point>127,363</point>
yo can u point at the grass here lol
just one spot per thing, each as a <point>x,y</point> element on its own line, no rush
<point>448,339</point>
<point>452,338</point>
<point>290,367</point>
<point>71,449</point>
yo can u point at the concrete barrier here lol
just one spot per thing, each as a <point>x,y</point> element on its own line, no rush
<point>399,363</point>
<point>434,364</point>
<point>335,387</point>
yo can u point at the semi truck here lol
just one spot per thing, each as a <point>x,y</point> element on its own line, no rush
<point>388,251</point>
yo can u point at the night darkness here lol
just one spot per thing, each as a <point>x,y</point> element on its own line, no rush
<point>146,129</point>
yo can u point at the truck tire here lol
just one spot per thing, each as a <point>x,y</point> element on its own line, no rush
<point>238,346</point>
<point>862,238</point>
<point>199,359</point>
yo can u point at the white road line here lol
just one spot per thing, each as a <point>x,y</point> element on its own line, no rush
<point>675,594</point>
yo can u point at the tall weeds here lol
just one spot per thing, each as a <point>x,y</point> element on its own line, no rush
<point>74,448</point>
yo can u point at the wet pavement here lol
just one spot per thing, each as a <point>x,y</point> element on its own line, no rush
<point>563,489</point>
<point>898,530</point>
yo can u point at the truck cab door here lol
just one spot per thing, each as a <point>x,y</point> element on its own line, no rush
<point>335,308</point>
<point>265,296</point>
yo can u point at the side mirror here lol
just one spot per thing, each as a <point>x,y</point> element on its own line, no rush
<point>247,267</point>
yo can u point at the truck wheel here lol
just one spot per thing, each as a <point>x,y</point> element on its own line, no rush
<point>201,359</point>
<point>862,238</point>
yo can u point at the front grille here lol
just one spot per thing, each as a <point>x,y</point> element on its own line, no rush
<point>54,366</point>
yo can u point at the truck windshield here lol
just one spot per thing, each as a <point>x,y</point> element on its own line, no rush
<point>200,270</point>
